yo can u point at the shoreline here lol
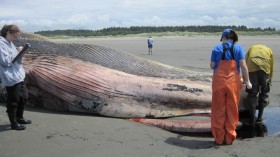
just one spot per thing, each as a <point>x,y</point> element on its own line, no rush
<point>128,37</point>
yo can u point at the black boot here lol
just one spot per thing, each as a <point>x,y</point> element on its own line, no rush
<point>259,119</point>
<point>252,103</point>
<point>261,130</point>
<point>261,109</point>
<point>24,121</point>
<point>14,124</point>
<point>263,102</point>
<point>248,130</point>
<point>20,118</point>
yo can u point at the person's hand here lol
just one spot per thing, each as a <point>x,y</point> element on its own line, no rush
<point>249,85</point>
<point>19,48</point>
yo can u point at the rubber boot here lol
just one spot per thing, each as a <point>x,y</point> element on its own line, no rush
<point>20,118</point>
<point>259,119</point>
<point>249,130</point>
<point>252,103</point>
<point>263,102</point>
<point>261,130</point>
<point>14,124</point>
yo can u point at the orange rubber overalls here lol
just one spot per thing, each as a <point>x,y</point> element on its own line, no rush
<point>226,88</point>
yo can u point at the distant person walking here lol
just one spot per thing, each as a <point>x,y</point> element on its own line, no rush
<point>260,61</point>
<point>150,45</point>
<point>12,75</point>
<point>226,60</point>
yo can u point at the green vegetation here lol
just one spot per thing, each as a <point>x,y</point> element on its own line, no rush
<point>159,31</point>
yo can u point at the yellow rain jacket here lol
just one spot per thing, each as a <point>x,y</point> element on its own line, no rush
<point>260,57</point>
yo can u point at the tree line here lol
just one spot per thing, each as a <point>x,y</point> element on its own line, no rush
<point>114,31</point>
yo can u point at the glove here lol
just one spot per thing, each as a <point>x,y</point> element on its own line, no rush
<point>249,85</point>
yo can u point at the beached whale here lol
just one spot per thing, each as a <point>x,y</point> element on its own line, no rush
<point>65,83</point>
<point>95,79</point>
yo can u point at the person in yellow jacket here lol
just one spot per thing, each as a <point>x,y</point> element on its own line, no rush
<point>260,62</point>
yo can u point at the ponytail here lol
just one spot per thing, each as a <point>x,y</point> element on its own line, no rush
<point>234,36</point>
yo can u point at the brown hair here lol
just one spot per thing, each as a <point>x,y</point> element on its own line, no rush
<point>233,35</point>
<point>9,28</point>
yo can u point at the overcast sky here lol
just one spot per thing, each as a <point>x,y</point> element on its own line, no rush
<point>37,15</point>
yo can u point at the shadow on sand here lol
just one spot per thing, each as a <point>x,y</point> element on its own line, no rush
<point>190,144</point>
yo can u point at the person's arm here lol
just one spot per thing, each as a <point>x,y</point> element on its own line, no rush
<point>213,59</point>
<point>271,67</point>
<point>5,57</point>
<point>212,65</point>
<point>245,73</point>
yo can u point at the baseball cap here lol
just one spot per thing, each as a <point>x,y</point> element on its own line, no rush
<point>226,33</point>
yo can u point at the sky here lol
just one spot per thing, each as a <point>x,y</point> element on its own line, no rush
<point>41,15</point>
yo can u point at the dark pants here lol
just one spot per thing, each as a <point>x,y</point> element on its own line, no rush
<point>17,98</point>
<point>258,96</point>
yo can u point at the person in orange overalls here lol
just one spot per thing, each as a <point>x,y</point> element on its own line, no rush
<point>226,60</point>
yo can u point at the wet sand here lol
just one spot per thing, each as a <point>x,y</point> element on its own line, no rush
<point>58,134</point>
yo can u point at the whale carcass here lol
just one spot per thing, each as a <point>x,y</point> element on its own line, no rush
<point>95,79</point>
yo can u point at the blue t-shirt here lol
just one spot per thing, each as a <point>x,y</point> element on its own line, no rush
<point>217,52</point>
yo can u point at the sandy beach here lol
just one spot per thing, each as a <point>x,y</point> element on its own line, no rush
<point>60,134</point>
